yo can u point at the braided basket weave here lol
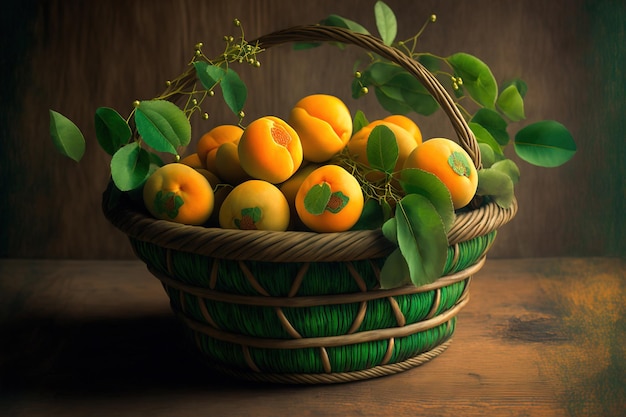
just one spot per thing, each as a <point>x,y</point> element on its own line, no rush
<point>304,307</point>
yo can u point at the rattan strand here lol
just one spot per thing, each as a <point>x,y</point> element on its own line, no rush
<point>325,341</point>
<point>336,377</point>
<point>312,301</point>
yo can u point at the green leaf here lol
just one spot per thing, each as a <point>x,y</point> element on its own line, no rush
<point>497,185</point>
<point>521,86</point>
<point>477,78</point>
<point>342,22</point>
<point>387,102</point>
<point>380,73</point>
<point>359,121</point>
<point>547,144</point>
<point>483,136</point>
<point>494,123</point>
<point>112,131</point>
<point>371,216</point>
<point>511,103</point>
<point>385,22</point>
<point>417,181</point>
<point>422,238</point>
<point>130,166</point>
<point>234,91</point>
<point>209,75</point>
<point>317,198</point>
<point>431,63</point>
<point>395,271</point>
<point>410,91</point>
<point>66,136</point>
<point>487,156</point>
<point>162,125</point>
<point>382,149</point>
<point>508,167</point>
<point>390,230</point>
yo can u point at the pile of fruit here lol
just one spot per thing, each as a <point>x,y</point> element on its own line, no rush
<point>311,172</point>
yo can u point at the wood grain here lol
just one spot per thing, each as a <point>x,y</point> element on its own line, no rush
<point>540,337</point>
<point>74,56</point>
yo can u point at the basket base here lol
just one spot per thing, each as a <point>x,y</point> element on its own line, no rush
<point>334,377</point>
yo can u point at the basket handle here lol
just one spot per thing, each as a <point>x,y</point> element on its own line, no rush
<point>319,33</point>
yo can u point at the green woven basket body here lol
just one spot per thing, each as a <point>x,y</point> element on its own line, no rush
<point>303,307</point>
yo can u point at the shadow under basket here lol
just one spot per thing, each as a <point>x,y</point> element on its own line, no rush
<point>305,307</point>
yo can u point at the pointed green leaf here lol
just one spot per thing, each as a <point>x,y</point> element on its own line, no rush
<point>409,90</point>
<point>508,167</point>
<point>317,198</point>
<point>497,185</point>
<point>431,63</point>
<point>521,86</point>
<point>483,136</point>
<point>547,144</point>
<point>359,121</point>
<point>382,149</point>
<point>511,103</point>
<point>487,156</point>
<point>421,238</point>
<point>385,22</point>
<point>371,217</point>
<point>66,136</point>
<point>342,22</point>
<point>234,91</point>
<point>390,230</point>
<point>395,271</point>
<point>494,123</point>
<point>417,181</point>
<point>209,75</point>
<point>477,78</point>
<point>380,73</point>
<point>130,166</point>
<point>162,125</point>
<point>112,131</point>
<point>385,97</point>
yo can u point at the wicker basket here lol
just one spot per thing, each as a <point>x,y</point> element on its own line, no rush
<point>304,307</point>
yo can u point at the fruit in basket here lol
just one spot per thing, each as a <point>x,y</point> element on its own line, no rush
<point>270,150</point>
<point>178,193</point>
<point>451,164</point>
<point>324,125</point>
<point>209,143</point>
<point>407,124</point>
<point>193,160</point>
<point>290,188</point>
<point>330,199</point>
<point>211,177</point>
<point>255,205</point>
<point>227,165</point>
<point>357,146</point>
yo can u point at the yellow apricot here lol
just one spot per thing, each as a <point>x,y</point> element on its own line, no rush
<point>324,125</point>
<point>211,177</point>
<point>209,143</point>
<point>178,193</point>
<point>270,150</point>
<point>407,124</point>
<point>330,199</point>
<point>290,188</point>
<point>193,160</point>
<point>227,164</point>
<point>357,146</point>
<point>255,205</point>
<point>451,164</point>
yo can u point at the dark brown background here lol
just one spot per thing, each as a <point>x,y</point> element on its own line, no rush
<point>74,56</point>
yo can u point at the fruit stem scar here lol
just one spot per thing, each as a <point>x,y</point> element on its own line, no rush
<point>459,164</point>
<point>280,135</point>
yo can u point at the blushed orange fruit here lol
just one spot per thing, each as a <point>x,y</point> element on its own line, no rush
<point>330,199</point>
<point>451,164</point>
<point>323,123</point>
<point>227,164</point>
<point>290,188</point>
<point>178,193</point>
<point>193,160</point>
<point>209,143</point>
<point>270,150</point>
<point>407,124</point>
<point>255,205</point>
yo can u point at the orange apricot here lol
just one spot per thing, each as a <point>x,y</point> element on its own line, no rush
<point>290,188</point>
<point>209,143</point>
<point>451,164</point>
<point>211,177</point>
<point>270,150</point>
<point>178,193</point>
<point>324,125</point>
<point>407,124</point>
<point>193,160</point>
<point>255,205</point>
<point>330,199</point>
<point>357,146</point>
<point>227,164</point>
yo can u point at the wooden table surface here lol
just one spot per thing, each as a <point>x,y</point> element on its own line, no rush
<point>540,337</point>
